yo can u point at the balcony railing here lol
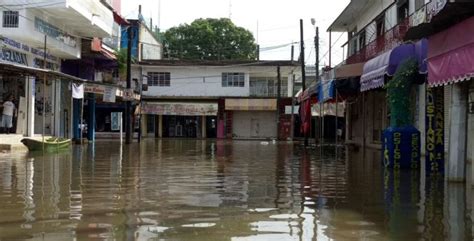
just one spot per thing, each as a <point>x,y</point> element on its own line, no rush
<point>385,42</point>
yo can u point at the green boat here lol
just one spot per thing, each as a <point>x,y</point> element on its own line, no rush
<point>50,144</point>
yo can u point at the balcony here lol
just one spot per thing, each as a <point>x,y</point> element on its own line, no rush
<point>383,43</point>
<point>87,18</point>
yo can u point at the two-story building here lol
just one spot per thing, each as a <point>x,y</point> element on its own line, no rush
<point>209,99</point>
<point>376,32</point>
<point>33,31</point>
<point>383,33</point>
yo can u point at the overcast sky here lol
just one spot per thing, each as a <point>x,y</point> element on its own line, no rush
<point>277,21</point>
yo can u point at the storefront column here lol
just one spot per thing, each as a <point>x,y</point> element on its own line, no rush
<point>91,122</point>
<point>203,127</point>
<point>56,115</point>
<point>160,126</point>
<point>76,108</point>
<point>457,137</point>
<point>30,94</point>
<point>144,125</point>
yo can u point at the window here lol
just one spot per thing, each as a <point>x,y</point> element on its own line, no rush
<point>362,39</point>
<point>10,19</point>
<point>159,78</point>
<point>233,79</point>
<point>268,86</point>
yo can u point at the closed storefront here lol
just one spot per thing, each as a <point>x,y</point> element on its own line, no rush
<point>255,124</point>
<point>252,118</point>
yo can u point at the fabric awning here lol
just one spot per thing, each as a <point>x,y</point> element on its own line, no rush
<point>451,54</point>
<point>326,90</point>
<point>385,64</point>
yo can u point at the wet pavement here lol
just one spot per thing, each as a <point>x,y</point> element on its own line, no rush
<point>223,190</point>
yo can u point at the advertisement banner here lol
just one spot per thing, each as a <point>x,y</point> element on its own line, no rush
<point>434,131</point>
<point>180,109</point>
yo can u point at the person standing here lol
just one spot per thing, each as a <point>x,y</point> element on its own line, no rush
<point>7,115</point>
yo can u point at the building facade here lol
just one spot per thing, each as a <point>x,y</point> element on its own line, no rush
<point>39,35</point>
<point>198,99</point>
<point>381,31</point>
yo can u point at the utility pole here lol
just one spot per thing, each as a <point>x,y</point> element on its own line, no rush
<point>303,74</point>
<point>278,101</point>
<point>292,106</point>
<point>316,45</point>
<point>128,108</point>
<point>316,66</point>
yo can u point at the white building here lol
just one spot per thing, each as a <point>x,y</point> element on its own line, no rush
<point>213,99</point>
<point>26,28</point>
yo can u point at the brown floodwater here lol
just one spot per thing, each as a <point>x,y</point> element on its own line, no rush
<point>223,190</point>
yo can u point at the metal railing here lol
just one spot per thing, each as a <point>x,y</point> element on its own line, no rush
<point>382,43</point>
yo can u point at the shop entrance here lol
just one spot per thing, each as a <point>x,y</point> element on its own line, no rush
<point>182,126</point>
<point>14,87</point>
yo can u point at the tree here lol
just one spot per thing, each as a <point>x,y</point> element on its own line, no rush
<point>210,39</point>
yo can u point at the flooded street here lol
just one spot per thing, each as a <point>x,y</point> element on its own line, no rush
<point>223,190</point>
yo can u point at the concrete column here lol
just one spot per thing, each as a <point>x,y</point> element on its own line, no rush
<point>421,116</point>
<point>456,211</point>
<point>203,127</point>
<point>91,118</point>
<point>56,115</point>
<point>160,126</point>
<point>30,95</point>
<point>144,125</point>
<point>457,138</point>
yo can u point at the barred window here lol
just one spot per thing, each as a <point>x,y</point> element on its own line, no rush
<point>10,19</point>
<point>233,79</point>
<point>159,78</point>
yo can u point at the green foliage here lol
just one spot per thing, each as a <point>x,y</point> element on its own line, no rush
<point>398,93</point>
<point>210,39</point>
<point>122,61</point>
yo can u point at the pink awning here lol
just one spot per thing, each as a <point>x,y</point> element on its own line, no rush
<point>451,54</point>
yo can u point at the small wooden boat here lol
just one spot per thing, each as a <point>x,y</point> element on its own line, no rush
<point>50,144</point>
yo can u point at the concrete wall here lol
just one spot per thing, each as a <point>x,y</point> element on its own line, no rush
<point>206,81</point>
<point>150,48</point>
<point>35,39</point>
<point>254,124</point>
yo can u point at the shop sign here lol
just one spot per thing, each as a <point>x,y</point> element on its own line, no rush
<point>54,32</point>
<point>128,95</point>
<point>96,89</point>
<point>296,109</point>
<point>434,131</point>
<point>39,63</point>
<point>109,94</point>
<point>251,104</point>
<point>26,48</point>
<point>180,109</point>
<point>12,56</point>
<point>115,121</point>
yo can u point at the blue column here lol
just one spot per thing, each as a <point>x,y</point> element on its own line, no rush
<point>91,118</point>
<point>76,117</point>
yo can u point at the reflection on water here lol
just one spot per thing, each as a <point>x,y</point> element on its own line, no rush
<point>217,190</point>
